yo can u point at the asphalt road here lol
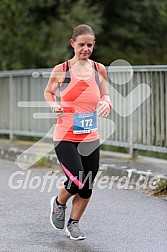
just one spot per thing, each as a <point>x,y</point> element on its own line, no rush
<point>116,220</point>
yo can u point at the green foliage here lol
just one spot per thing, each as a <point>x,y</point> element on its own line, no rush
<point>36,34</point>
<point>42,162</point>
<point>162,185</point>
<point>135,31</point>
<point>114,148</point>
<point>161,188</point>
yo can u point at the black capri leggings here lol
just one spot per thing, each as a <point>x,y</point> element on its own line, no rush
<point>80,169</point>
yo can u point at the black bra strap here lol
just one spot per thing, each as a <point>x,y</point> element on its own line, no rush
<point>67,78</point>
<point>96,75</point>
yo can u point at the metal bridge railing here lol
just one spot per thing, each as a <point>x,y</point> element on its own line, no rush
<point>141,127</point>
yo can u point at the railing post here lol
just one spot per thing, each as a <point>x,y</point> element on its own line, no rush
<point>130,119</point>
<point>131,135</point>
<point>133,122</point>
<point>11,107</point>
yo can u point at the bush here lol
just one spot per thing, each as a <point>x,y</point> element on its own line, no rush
<point>161,188</point>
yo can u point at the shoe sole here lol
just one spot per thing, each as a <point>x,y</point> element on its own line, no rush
<point>73,238</point>
<point>51,207</point>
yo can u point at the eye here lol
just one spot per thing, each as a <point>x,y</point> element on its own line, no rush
<point>90,45</point>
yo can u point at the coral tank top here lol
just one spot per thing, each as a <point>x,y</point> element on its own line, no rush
<point>79,100</point>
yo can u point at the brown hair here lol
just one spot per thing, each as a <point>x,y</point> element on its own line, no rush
<point>82,29</point>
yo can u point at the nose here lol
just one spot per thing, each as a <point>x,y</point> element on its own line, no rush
<point>85,47</point>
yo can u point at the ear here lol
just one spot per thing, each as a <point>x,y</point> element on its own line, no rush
<point>72,42</point>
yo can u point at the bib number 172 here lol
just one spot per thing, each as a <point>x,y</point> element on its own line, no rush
<point>86,123</point>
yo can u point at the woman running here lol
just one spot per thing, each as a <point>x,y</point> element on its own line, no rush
<point>82,86</point>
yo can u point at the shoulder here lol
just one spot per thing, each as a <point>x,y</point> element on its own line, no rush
<point>101,69</point>
<point>59,68</point>
<point>58,71</point>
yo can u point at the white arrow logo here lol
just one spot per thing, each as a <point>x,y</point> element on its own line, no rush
<point>124,106</point>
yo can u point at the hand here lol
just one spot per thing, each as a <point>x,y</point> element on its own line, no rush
<point>103,108</point>
<point>59,111</point>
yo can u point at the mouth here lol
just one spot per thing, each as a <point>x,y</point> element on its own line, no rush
<point>84,54</point>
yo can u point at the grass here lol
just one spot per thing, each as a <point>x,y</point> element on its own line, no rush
<point>140,152</point>
<point>153,154</point>
<point>43,162</point>
<point>161,188</point>
<point>114,148</point>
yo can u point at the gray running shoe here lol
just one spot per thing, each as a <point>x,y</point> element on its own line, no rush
<point>57,214</point>
<point>74,232</point>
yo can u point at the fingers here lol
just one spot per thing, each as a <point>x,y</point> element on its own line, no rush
<point>104,109</point>
<point>58,115</point>
<point>105,113</point>
<point>59,111</point>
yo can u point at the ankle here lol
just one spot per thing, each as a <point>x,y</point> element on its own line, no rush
<point>72,220</point>
<point>58,203</point>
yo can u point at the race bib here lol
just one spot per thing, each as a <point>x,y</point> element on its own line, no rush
<point>84,123</point>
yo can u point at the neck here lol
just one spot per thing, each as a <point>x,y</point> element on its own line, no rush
<point>75,60</point>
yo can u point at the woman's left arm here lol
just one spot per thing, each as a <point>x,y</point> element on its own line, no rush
<point>105,104</point>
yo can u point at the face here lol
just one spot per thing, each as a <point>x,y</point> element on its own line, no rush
<point>83,46</point>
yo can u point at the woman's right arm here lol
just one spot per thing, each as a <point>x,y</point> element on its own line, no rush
<point>51,88</point>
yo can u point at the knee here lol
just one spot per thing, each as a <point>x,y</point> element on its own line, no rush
<point>71,187</point>
<point>85,193</point>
